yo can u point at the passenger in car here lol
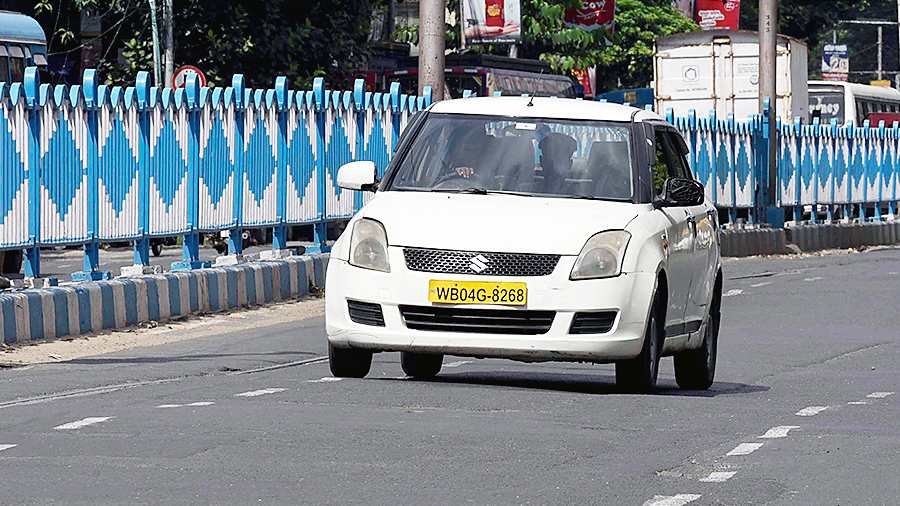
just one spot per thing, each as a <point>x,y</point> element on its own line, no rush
<point>556,161</point>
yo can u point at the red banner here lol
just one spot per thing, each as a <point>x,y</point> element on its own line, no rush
<point>584,79</point>
<point>718,14</point>
<point>595,15</point>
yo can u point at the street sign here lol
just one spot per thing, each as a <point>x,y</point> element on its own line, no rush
<point>835,62</point>
<point>180,78</point>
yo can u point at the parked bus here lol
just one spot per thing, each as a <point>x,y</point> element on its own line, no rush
<point>22,44</point>
<point>635,97</point>
<point>485,75</point>
<point>850,101</point>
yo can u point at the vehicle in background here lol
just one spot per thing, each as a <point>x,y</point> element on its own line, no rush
<point>854,102</point>
<point>484,75</point>
<point>719,71</point>
<point>635,97</point>
<point>22,44</point>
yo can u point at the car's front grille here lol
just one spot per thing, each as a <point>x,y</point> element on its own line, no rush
<point>479,263</point>
<point>365,313</point>
<point>485,321</point>
<point>593,323</point>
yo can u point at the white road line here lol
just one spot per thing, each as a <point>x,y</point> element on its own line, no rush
<point>308,361</point>
<point>6,447</point>
<point>672,500</point>
<point>744,449</point>
<point>27,401</point>
<point>778,432</point>
<point>264,391</point>
<point>817,278</point>
<point>457,364</point>
<point>760,285</point>
<point>164,406</point>
<point>202,403</point>
<point>858,403</point>
<point>879,395</point>
<point>84,422</point>
<point>733,292</point>
<point>327,379</point>
<point>811,411</point>
<point>718,477</point>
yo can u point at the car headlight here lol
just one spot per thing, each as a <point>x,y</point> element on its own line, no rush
<point>369,246</point>
<point>601,256</point>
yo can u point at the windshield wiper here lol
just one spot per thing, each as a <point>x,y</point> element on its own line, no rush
<point>472,190</point>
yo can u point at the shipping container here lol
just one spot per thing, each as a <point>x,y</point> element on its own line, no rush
<point>719,70</point>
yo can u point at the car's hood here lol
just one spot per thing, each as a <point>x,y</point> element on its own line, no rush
<point>499,223</point>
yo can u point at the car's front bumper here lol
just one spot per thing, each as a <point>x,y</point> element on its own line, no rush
<point>628,294</point>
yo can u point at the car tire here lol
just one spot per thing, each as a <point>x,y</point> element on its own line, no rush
<point>421,365</point>
<point>349,363</point>
<point>639,374</point>
<point>696,369</point>
<point>156,248</point>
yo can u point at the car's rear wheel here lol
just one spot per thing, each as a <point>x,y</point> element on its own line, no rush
<point>696,369</point>
<point>639,374</point>
<point>421,365</point>
<point>349,363</point>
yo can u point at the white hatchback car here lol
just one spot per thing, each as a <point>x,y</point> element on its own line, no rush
<point>534,229</point>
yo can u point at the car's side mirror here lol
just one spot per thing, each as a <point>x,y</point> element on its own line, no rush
<point>360,175</point>
<point>680,192</point>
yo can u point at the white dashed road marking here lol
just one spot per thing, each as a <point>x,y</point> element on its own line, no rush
<point>817,278</point>
<point>733,292</point>
<point>193,404</point>
<point>760,285</point>
<point>457,364</point>
<point>879,395</point>
<point>811,411</point>
<point>257,393</point>
<point>84,422</point>
<point>672,500</point>
<point>327,379</point>
<point>778,432</point>
<point>858,403</point>
<point>744,449</point>
<point>6,447</point>
<point>718,477</point>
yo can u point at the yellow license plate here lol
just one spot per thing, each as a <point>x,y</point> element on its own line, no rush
<point>477,292</point>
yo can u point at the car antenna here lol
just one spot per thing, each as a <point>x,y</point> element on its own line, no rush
<point>530,100</point>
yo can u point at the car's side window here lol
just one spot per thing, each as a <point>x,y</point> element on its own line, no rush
<point>682,169</point>
<point>660,165</point>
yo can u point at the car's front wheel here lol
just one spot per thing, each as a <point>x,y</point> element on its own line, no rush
<point>421,365</point>
<point>639,374</point>
<point>696,369</point>
<point>349,363</point>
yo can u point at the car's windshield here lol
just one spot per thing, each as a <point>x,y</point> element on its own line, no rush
<point>541,157</point>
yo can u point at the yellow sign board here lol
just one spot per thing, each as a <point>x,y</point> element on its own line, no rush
<point>883,83</point>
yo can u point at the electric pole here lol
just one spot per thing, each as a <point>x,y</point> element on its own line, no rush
<point>155,29</point>
<point>431,47</point>
<point>170,43</point>
<point>768,54</point>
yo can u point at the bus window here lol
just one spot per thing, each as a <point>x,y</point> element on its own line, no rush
<point>4,64</point>
<point>16,63</point>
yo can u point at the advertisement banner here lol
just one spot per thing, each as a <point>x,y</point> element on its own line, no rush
<point>491,21</point>
<point>595,15</point>
<point>835,62</point>
<point>718,14</point>
<point>584,79</point>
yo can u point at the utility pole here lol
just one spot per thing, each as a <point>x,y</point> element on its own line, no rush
<point>155,29</point>
<point>880,52</point>
<point>170,43</point>
<point>431,47</point>
<point>768,53</point>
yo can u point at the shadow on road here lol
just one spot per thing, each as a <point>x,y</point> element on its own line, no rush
<point>582,383</point>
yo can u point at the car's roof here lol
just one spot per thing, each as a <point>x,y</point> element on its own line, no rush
<point>553,108</point>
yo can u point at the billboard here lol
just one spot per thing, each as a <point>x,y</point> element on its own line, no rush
<point>594,15</point>
<point>835,62</point>
<point>718,14</point>
<point>491,21</point>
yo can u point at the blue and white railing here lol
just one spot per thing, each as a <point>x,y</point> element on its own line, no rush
<point>92,163</point>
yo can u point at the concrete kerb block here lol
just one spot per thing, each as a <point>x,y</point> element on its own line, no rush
<point>137,270</point>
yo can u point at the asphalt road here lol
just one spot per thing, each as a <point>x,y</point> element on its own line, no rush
<point>810,350</point>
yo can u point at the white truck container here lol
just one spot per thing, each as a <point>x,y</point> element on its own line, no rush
<point>719,70</point>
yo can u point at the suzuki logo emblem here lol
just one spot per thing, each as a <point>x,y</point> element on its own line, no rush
<point>478,263</point>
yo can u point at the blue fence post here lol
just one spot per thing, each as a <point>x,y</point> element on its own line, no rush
<point>31,85</point>
<point>191,249</point>
<point>359,115</point>
<point>280,230</point>
<point>895,171</point>
<point>798,172</point>
<point>320,228</point>
<point>396,111</point>
<point>142,96</point>
<point>427,96</point>
<point>731,130</point>
<point>92,104</point>
<point>879,169</point>
<point>236,234</point>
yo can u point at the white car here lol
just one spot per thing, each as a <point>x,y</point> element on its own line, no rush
<point>533,229</point>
